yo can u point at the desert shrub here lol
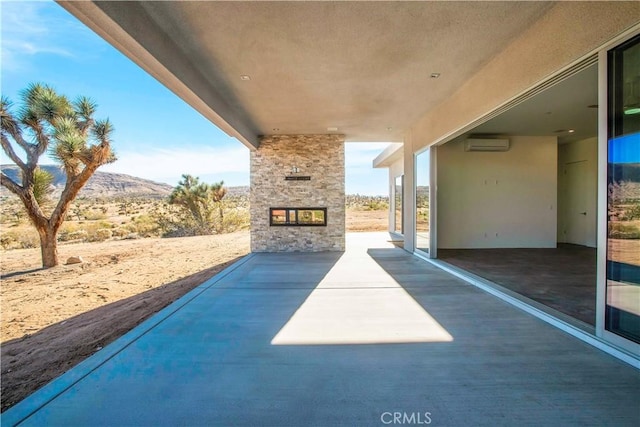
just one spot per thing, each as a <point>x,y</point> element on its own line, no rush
<point>20,240</point>
<point>142,226</point>
<point>100,235</point>
<point>631,213</point>
<point>146,226</point>
<point>377,205</point>
<point>95,231</point>
<point>67,236</point>
<point>125,207</point>
<point>171,221</point>
<point>78,212</point>
<point>120,232</point>
<point>94,215</point>
<point>234,220</point>
<point>11,213</point>
<point>619,230</point>
<point>179,230</point>
<point>359,202</point>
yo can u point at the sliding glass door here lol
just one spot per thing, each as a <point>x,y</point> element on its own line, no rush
<point>622,315</point>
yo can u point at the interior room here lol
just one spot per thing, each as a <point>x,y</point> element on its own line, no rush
<point>517,198</point>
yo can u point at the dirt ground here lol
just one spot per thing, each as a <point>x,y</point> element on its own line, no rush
<point>53,319</point>
<point>367,220</point>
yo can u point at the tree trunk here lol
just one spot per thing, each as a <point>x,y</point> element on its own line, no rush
<point>49,247</point>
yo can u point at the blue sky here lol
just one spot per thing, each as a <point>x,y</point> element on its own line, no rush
<point>158,136</point>
<point>625,149</point>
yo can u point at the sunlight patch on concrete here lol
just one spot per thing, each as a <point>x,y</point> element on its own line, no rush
<point>358,302</point>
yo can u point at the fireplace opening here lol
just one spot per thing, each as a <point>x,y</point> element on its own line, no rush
<point>298,217</point>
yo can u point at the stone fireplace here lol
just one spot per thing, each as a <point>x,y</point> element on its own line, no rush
<point>297,194</point>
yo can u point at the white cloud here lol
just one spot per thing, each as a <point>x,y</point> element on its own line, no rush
<point>167,165</point>
<point>360,155</point>
<point>26,32</point>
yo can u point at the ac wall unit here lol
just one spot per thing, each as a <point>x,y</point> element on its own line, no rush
<point>477,144</point>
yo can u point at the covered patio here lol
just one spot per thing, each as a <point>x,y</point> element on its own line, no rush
<point>354,338</point>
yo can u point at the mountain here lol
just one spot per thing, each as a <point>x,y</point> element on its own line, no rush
<point>101,184</point>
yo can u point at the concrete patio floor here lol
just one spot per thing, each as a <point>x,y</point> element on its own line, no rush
<point>373,336</point>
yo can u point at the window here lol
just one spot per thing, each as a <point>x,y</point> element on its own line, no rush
<point>298,216</point>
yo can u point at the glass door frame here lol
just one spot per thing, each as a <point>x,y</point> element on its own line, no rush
<point>602,242</point>
<point>433,203</point>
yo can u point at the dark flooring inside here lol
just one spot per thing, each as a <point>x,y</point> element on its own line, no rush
<point>563,278</point>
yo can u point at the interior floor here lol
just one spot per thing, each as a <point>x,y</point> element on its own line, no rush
<point>563,278</point>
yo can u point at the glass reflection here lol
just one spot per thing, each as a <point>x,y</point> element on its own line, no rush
<point>398,222</point>
<point>622,314</point>
<point>422,201</point>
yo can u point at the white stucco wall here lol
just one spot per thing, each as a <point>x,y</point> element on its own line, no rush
<point>580,151</point>
<point>498,199</point>
<point>409,194</point>
<point>569,32</point>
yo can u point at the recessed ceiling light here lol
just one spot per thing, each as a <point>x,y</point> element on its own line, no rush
<point>435,75</point>
<point>332,129</point>
<point>571,130</point>
<point>245,77</point>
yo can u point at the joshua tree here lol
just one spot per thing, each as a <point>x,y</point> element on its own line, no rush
<point>200,200</point>
<point>47,121</point>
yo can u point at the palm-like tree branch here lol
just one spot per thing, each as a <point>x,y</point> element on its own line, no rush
<point>28,199</point>
<point>10,184</point>
<point>85,108</point>
<point>9,126</point>
<point>8,149</point>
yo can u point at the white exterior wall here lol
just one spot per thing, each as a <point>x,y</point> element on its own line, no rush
<point>498,199</point>
<point>409,194</point>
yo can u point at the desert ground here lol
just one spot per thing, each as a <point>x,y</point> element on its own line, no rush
<point>53,319</point>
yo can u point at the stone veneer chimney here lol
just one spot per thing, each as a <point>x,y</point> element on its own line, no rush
<point>319,160</point>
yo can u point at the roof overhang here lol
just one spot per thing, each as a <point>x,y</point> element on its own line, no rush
<point>390,155</point>
<point>363,69</point>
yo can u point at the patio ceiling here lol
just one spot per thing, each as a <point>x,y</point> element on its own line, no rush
<point>362,69</point>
